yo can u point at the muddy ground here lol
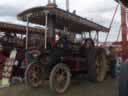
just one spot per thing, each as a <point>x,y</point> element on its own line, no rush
<point>78,88</point>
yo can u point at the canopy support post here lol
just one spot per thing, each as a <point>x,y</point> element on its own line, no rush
<point>97,32</point>
<point>27,32</point>
<point>46,30</point>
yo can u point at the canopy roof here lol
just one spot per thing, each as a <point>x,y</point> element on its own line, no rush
<point>6,27</point>
<point>124,2</point>
<point>74,22</point>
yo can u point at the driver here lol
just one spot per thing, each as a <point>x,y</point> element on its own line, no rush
<point>85,47</point>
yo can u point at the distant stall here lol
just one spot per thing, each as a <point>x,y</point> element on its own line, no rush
<point>16,34</point>
<point>13,36</point>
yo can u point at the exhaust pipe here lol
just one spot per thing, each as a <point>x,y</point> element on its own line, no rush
<point>67,5</point>
<point>49,1</point>
<point>123,2</point>
<point>54,2</point>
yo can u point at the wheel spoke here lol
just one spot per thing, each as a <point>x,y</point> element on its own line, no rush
<point>59,78</point>
<point>33,74</point>
<point>100,68</point>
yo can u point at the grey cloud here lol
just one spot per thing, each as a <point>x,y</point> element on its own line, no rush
<point>100,11</point>
<point>8,10</point>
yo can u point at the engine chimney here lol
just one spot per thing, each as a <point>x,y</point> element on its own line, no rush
<point>52,3</point>
<point>67,5</point>
<point>49,1</point>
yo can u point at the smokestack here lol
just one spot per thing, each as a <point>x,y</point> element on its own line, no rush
<point>54,2</point>
<point>67,5</point>
<point>49,1</point>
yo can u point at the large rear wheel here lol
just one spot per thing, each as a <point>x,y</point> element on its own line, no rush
<point>97,67</point>
<point>60,78</point>
<point>101,67</point>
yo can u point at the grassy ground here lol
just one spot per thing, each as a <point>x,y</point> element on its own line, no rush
<point>79,88</point>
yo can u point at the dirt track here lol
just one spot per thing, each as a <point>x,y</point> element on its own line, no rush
<point>79,88</point>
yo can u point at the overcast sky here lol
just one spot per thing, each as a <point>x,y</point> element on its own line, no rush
<point>100,11</point>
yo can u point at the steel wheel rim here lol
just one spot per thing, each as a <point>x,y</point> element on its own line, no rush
<point>100,68</point>
<point>60,79</point>
<point>33,75</point>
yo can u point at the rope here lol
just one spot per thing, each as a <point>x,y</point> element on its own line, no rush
<point>118,33</point>
<point>111,22</point>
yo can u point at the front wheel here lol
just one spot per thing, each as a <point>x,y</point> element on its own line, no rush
<point>33,75</point>
<point>60,78</point>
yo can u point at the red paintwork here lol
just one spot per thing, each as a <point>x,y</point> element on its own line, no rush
<point>75,63</point>
<point>123,52</point>
<point>124,33</point>
<point>2,58</point>
<point>1,70</point>
<point>53,41</point>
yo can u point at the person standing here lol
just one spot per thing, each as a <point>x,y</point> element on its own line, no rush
<point>113,62</point>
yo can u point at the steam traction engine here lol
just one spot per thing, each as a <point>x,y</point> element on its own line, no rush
<point>60,59</point>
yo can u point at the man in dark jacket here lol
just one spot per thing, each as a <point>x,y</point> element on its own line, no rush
<point>123,80</point>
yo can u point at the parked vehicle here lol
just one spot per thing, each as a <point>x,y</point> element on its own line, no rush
<point>61,60</point>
